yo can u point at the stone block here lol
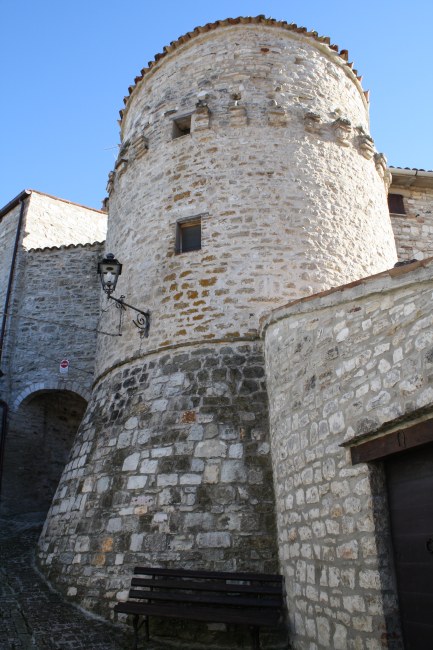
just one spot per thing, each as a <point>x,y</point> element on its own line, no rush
<point>214,540</point>
<point>211,449</point>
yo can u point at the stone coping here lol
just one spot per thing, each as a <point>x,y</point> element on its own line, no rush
<point>415,272</point>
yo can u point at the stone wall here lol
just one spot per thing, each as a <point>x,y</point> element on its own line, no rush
<point>171,467</point>
<point>49,302</point>
<point>55,222</point>
<point>340,365</point>
<point>55,316</point>
<point>413,230</point>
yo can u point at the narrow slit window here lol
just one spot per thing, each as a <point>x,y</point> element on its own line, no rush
<point>396,204</point>
<point>188,236</point>
<point>181,126</point>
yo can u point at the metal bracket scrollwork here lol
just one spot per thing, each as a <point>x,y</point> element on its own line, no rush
<point>142,321</point>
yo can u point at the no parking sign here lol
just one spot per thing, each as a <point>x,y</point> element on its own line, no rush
<point>64,367</point>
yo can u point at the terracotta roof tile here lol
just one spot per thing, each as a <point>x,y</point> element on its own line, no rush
<point>412,169</point>
<point>89,245</point>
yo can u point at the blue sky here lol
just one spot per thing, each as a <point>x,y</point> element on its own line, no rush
<point>66,66</point>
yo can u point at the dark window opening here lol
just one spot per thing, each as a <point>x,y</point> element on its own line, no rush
<point>188,236</point>
<point>181,126</point>
<point>396,204</point>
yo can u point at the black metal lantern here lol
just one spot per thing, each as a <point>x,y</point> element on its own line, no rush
<point>109,270</point>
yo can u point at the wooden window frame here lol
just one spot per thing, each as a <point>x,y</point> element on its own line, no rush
<point>396,204</point>
<point>181,226</point>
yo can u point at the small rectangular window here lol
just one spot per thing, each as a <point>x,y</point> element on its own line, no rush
<point>396,204</point>
<point>181,126</point>
<point>188,235</point>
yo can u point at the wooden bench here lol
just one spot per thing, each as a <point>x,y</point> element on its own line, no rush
<point>251,599</point>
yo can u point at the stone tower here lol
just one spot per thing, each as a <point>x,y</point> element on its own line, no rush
<point>246,178</point>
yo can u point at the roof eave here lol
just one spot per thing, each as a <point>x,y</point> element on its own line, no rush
<point>15,201</point>
<point>411,178</point>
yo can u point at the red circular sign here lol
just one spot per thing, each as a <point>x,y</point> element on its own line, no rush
<point>64,363</point>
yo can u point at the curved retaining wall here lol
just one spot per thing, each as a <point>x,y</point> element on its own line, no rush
<point>171,466</point>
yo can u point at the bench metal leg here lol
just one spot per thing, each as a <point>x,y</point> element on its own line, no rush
<point>136,628</point>
<point>255,638</point>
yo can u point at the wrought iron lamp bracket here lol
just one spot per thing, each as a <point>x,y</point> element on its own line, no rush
<point>142,321</point>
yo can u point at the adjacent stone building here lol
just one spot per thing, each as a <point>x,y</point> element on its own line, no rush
<point>49,312</point>
<point>265,422</point>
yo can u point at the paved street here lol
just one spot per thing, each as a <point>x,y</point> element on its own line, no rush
<point>34,617</point>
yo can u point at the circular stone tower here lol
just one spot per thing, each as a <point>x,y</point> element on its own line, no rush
<point>246,178</point>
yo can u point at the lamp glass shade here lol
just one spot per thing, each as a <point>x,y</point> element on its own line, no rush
<point>109,270</point>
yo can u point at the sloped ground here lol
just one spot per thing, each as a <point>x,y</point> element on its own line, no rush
<point>31,615</point>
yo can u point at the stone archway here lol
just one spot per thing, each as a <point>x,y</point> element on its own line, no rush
<point>41,430</point>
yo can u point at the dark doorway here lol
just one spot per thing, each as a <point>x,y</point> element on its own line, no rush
<point>410,493</point>
<point>38,443</point>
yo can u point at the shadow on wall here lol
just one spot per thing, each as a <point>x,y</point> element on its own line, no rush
<point>39,440</point>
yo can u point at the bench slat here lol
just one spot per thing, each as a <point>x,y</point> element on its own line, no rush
<point>205,586</point>
<point>235,601</point>
<point>212,614</point>
<point>212,575</point>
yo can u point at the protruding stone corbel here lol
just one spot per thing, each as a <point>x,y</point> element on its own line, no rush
<point>121,166</point>
<point>342,130</point>
<point>365,144</point>
<point>380,163</point>
<point>122,159</point>
<point>237,112</point>
<point>139,146</point>
<point>312,122</point>
<point>277,116</point>
<point>387,179</point>
<point>201,117</point>
<point>110,182</point>
<point>123,150</point>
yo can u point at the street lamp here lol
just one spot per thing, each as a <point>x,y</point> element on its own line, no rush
<point>109,270</point>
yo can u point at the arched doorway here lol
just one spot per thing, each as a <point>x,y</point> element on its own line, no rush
<point>40,435</point>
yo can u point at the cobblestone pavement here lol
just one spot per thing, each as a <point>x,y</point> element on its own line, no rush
<point>34,617</point>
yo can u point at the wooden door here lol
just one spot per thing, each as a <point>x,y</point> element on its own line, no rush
<point>410,492</point>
